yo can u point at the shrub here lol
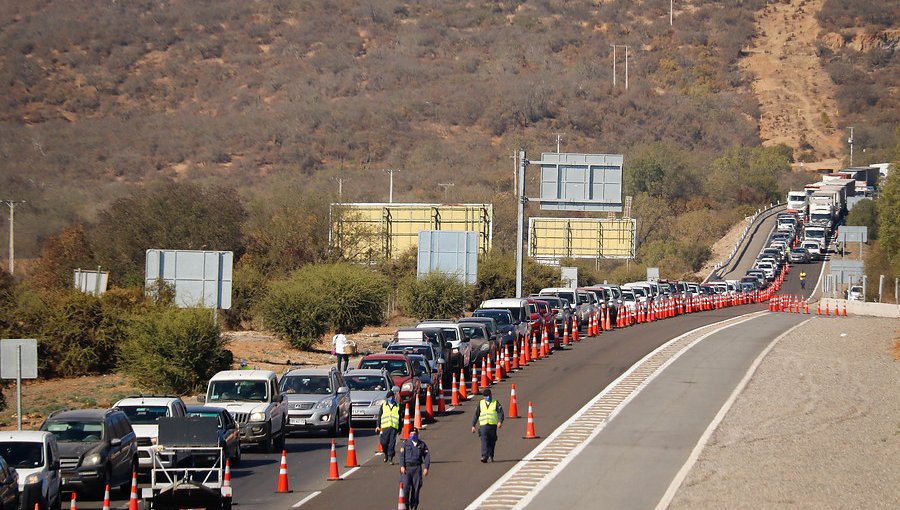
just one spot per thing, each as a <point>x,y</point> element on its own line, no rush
<point>435,295</point>
<point>316,298</point>
<point>174,349</point>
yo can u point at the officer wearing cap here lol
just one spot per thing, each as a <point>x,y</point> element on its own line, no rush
<point>489,418</point>
<point>415,459</point>
<point>388,424</point>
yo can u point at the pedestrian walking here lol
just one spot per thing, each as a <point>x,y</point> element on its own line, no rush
<point>415,459</point>
<point>489,418</point>
<point>388,424</point>
<point>342,348</point>
<point>803,279</point>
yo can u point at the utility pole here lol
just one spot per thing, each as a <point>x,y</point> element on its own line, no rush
<point>520,216</point>
<point>626,63</point>
<point>614,65</point>
<point>515,171</point>
<point>12,235</point>
<point>558,140</point>
<point>391,192</point>
<point>626,67</point>
<point>850,141</point>
<point>670,12</point>
<point>446,186</point>
<point>340,181</point>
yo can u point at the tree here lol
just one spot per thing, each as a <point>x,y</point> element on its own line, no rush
<point>182,216</point>
<point>888,207</point>
<point>864,213</point>
<point>63,252</point>
<point>661,171</point>
<point>434,296</point>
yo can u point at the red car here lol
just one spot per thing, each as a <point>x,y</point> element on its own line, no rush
<point>541,316</point>
<point>401,370</point>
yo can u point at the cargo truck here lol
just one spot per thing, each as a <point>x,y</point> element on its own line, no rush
<point>796,202</point>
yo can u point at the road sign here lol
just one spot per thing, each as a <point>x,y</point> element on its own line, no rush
<point>454,253</point>
<point>200,278</point>
<point>91,282</point>
<point>569,277</point>
<point>652,274</point>
<point>581,182</point>
<point>853,234</point>
<point>9,358</point>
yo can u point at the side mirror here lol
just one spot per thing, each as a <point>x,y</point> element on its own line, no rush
<point>385,344</point>
<point>343,389</point>
<point>116,442</point>
<point>201,398</point>
<point>440,361</point>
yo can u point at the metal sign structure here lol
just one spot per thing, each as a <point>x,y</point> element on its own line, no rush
<point>200,278</point>
<point>580,238</point>
<point>18,360</point>
<point>569,277</point>
<point>454,253</point>
<point>652,274</point>
<point>853,234</point>
<point>91,282</point>
<point>842,271</point>
<point>368,232</point>
<point>581,182</point>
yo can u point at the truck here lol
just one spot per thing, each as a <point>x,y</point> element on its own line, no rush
<point>796,202</point>
<point>257,405</point>
<point>821,215</point>
<point>200,485</point>
<point>817,233</point>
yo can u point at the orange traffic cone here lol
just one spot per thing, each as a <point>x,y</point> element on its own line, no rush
<point>534,346</point>
<point>462,385</point>
<point>380,450</point>
<point>498,371</point>
<point>575,328</point>
<point>566,333</point>
<point>529,428</point>
<point>351,451</point>
<point>454,395</point>
<point>507,364</point>
<point>73,505</point>
<point>429,405</point>
<point>606,319</point>
<point>484,374</point>
<point>513,406</point>
<point>226,479</point>
<point>818,308</point>
<point>282,474</point>
<point>844,312</point>
<point>401,500</point>
<point>133,498</point>
<point>515,356</point>
<point>475,387</point>
<point>105,500</point>
<point>523,353</point>
<point>826,309</point>
<point>442,406</point>
<point>406,423</point>
<point>417,416</point>
<point>333,474</point>
<point>490,370</point>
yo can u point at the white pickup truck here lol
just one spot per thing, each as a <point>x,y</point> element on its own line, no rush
<point>254,400</point>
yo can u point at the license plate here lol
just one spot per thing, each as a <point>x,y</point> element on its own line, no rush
<point>358,412</point>
<point>296,421</point>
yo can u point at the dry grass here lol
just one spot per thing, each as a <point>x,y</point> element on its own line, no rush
<point>895,350</point>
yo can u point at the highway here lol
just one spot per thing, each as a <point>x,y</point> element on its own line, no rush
<point>558,386</point>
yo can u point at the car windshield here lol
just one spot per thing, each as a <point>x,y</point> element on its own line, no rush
<point>249,391</point>
<point>473,331</point>
<point>394,366</point>
<point>639,292</point>
<point>306,384</point>
<point>815,234</point>
<point>421,366</point>
<point>569,296</point>
<point>627,295</point>
<point>207,414</point>
<point>23,454</point>
<point>583,298</point>
<point>501,317</point>
<point>424,350</point>
<point>367,382</point>
<point>75,431</point>
<point>145,415</point>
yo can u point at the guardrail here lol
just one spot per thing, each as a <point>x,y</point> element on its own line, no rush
<point>753,219</point>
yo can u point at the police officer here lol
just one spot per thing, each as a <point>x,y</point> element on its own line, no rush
<point>802,279</point>
<point>388,423</point>
<point>415,459</point>
<point>489,418</point>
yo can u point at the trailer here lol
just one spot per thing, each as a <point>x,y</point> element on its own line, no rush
<point>202,484</point>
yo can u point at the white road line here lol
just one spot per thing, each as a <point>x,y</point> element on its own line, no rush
<point>305,500</point>
<point>350,472</point>
<point>704,439</point>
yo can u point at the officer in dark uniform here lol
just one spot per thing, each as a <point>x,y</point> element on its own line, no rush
<point>415,459</point>
<point>489,418</point>
<point>388,424</point>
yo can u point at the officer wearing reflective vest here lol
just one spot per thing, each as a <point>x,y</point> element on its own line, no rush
<point>388,424</point>
<point>489,418</point>
<point>802,279</point>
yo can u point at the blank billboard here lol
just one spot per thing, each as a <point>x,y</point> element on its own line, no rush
<point>200,278</point>
<point>557,238</point>
<point>368,232</point>
<point>581,182</point>
<point>454,253</point>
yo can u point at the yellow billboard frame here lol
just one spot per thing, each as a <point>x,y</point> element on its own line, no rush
<point>581,238</point>
<point>378,231</point>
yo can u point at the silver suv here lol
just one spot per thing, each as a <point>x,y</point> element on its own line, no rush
<point>318,400</point>
<point>35,455</point>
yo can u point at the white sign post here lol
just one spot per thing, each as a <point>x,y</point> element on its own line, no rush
<point>18,360</point>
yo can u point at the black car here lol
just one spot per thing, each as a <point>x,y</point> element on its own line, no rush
<point>97,447</point>
<point>503,318</point>
<point>9,486</point>
<point>229,431</point>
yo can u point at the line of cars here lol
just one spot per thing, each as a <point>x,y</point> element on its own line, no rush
<point>790,242</point>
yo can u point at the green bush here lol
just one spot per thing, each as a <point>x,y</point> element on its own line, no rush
<point>173,349</point>
<point>434,296</point>
<point>318,298</point>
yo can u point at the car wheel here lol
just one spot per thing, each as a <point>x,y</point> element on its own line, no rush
<point>268,444</point>
<point>57,503</point>
<point>282,438</point>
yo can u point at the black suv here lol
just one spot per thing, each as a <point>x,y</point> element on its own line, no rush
<point>97,447</point>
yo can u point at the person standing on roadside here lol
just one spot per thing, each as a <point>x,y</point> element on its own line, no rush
<point>415,459</point>
<point>388,424</point>
<point>803,279</point>
<point>489,418</point>
<point>340,347</point>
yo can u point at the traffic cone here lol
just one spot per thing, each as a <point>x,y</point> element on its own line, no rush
<point>105,500</point>
<point>454,393</point>
<point>429,405</point>
<point>133,498</point>
<point>534,346</point>
<point>575,337</point>
<point>226,479</point>
<point>333,474</point>
<point>490,369</point>
<point>606,319</point>
<point>406,424</point>
<point>836,311</point>
<point>484,374</point>
<point>566,333</point>
<point>515,356</point>
<point>826,309</point>
<point>818,308</point>
<point>442,406</point>
<point>529,428</point>
<point>475,389</point>
<point>806,306</point>
<point>507,365</point>
<point>513,405</point>
<point>73,505</point>
<point>351,451</point>
<point>462,385</point>
<point>380,450</point>
<point>417,416</point>
<point>401,500</point>
<point>545,343</point>
<point>283,476</point>
<point>844,313</point>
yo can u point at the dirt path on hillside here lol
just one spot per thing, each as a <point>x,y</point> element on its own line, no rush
<point>796,95</point>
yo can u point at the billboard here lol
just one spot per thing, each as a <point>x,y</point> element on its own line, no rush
<point>91,282</point>
<point>581,182</point>
<point>200,278</point>
<point>367,232</point>
<point>453,253</point>
<point>577,238</point>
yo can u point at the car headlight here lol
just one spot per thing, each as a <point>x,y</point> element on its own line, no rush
<point>407,386</point>
<point>93,459</point>
<point>259,416</point>
<point>323,404</point>
<point>33,478</point>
